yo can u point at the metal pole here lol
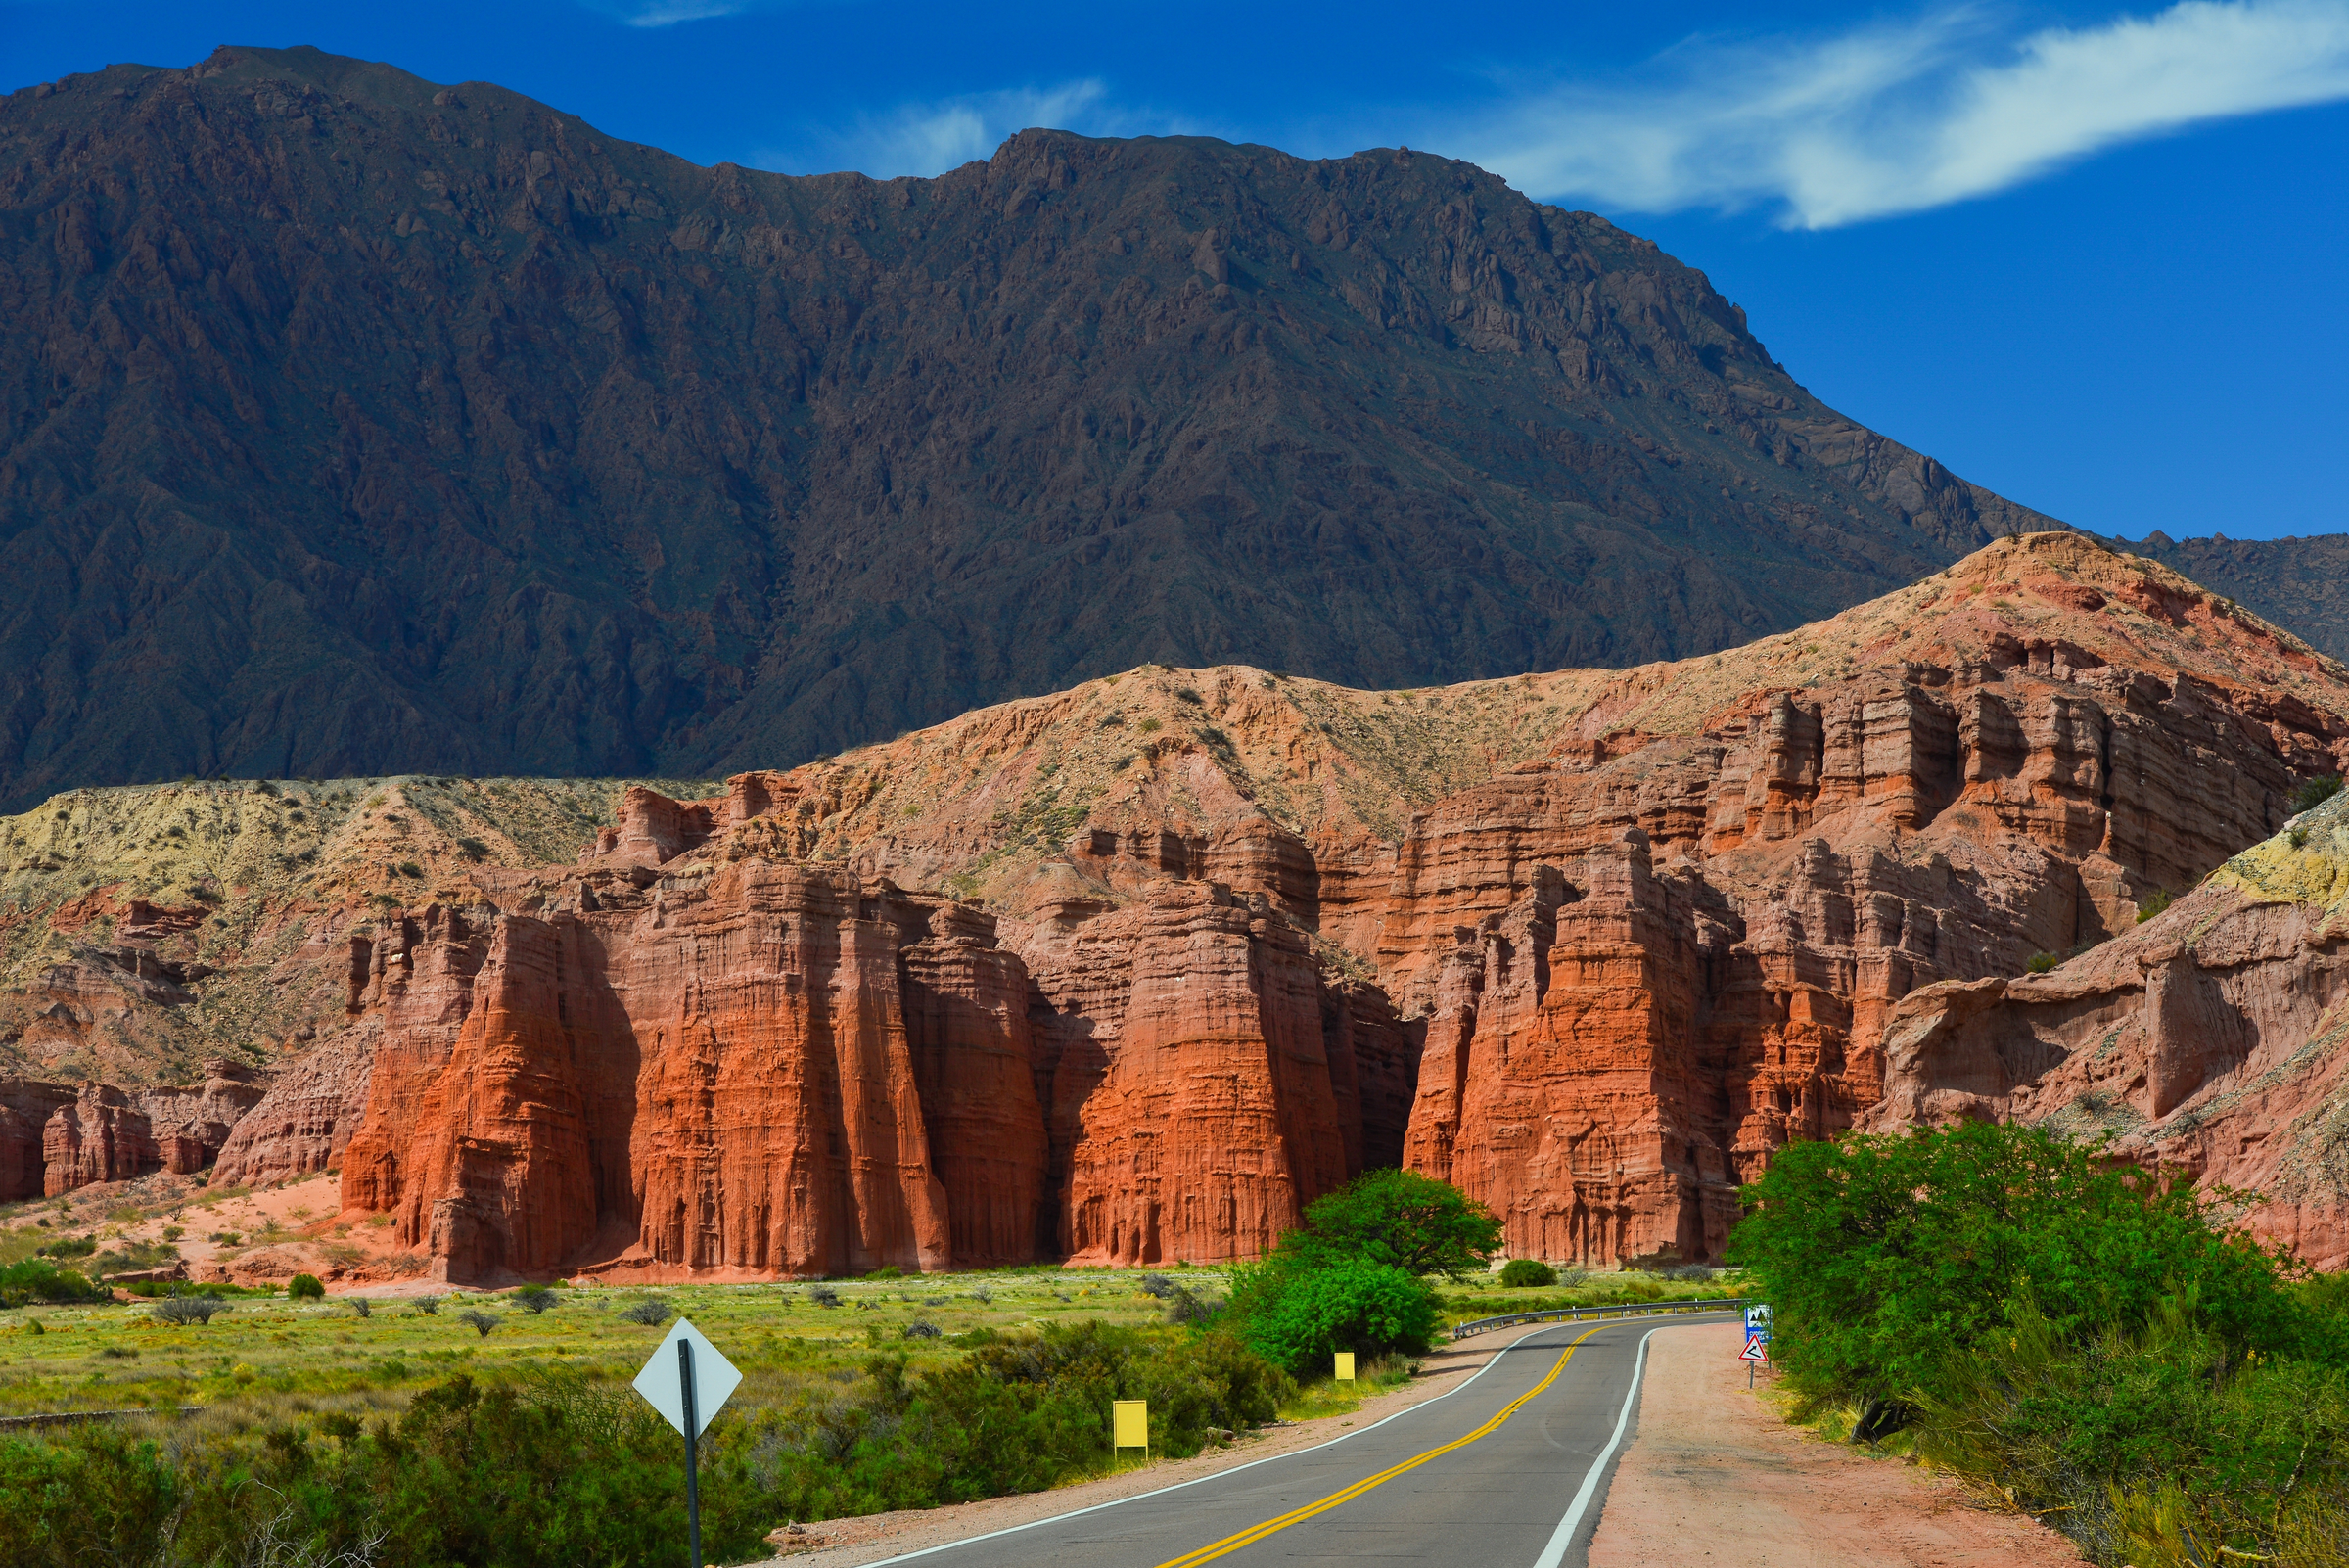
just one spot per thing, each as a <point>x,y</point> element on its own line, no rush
<point>693,1428</point>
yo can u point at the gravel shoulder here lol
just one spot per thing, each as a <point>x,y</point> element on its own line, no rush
<point>1715,1475</point>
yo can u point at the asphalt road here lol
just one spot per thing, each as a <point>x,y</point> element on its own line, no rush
<point>1509,1470</point>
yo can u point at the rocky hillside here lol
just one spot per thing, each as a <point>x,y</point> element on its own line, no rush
<point>351,424</point>
<point>2300,582</point>
<point>2213,1040</point>
<point>1133,971</point>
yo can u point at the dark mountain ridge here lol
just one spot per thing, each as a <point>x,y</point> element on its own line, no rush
<point>356,424</point>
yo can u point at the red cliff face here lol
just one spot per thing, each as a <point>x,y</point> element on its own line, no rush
<point>744,1067</point>
<point>55,1138</point>
<point>1647,962</point>
<point>1197,1102</point>
<point>2213,1040</point>
<point>1593,945</point>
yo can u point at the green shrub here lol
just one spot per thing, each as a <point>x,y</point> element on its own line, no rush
<point>2041,962</point>
<point>535,1298</point>
<point>99,1499</point>
<point>2155,903</point>
<point>1527,1273</point>
<point>32,1279</point>
<point>305,1288</point>
<point>2080,1336</point>
<point>2315,793</point>
<point>180,1311</point>
<point>1886,1257</point>
<point>1295,1314</point>
<point>1401,1217</point>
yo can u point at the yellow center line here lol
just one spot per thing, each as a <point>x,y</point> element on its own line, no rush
<point>1258,1532</point>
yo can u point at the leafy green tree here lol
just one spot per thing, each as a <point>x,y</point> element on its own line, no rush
<point>1884,1259</point>
<point>1295,1314</point>
<point>1399,1218</point>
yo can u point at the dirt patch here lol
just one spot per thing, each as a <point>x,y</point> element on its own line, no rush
<point>843,1542</point>
<point>1716,1476</point>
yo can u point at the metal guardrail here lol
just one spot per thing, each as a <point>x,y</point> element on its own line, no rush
<point>1575,1314</point>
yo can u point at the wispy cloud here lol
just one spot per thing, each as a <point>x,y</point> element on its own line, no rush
<point>670,13</point>
<point>930,138</point>
<point>1903,116</point>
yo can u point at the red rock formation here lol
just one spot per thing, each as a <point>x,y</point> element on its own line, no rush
<point>755,1067</point>
<point>26,1107</point>
<point>1593,945</point>
<point>305,1122</point>
<point>2213,1040</point>
<point>1197,1102</point>
<point>105,1133</point>
<point>1741,910</point>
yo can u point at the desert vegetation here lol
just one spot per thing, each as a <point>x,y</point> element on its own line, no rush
<point>2093,1342</point>
<point>414,1435</point>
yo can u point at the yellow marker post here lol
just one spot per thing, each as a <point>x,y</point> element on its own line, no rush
<point>1130,1420</point>
<point>1344,1367</point>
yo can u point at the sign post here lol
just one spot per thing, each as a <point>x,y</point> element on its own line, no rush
<point>686,1381</point>
<point>1757,1338</point>
<point>1131,1426</point>
<point>1344,1367</point>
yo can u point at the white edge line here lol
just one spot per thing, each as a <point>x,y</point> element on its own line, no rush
<point>1270,1458</point>
<point>1560,1539</point>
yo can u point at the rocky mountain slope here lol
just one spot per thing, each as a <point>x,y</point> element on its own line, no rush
<point>2211,1041</point>
<point>2299,582</point>
<point>1133,971</point>
<point>351,425</point>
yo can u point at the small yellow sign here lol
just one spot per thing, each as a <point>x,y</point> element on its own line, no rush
<point>1131,1419</point>
<point>1344,1367</point>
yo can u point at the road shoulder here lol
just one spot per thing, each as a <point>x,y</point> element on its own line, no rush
<point>1714,1474</point>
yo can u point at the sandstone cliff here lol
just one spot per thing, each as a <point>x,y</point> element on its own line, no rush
<point>1194,946</point>
<point>55,1137</point>
<point>2212,1040</point>
<point>723,1069</point>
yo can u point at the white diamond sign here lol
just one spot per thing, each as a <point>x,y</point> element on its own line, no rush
<point>662,1380</point>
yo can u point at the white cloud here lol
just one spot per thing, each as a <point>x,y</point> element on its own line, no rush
<point>1898,118</point>
<point>930,138</point>
<point>670,13</point>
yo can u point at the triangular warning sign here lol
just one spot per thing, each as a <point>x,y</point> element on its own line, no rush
<point>1756,1347</point>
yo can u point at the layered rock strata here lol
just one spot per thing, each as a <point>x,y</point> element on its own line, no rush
<point>55,1137</point>
<point>759,1068</point>
<point>1592,944</point>
<point>2212,1040</point>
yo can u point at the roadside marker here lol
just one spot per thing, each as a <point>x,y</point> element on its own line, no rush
<point>1130,1420</point>
<point>1344,1367</point>
<point>686,1381</point>
<point>1756,1347</point>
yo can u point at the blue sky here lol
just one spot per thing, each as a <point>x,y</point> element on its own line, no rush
<point>2092,257</point>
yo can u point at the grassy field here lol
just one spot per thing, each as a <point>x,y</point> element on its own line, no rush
<point>268,1358</point>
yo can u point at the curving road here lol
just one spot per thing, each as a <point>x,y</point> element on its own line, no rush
<point>1509,1469</point>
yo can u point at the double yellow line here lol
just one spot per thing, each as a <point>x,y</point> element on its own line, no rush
<point>1258,1532</point>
